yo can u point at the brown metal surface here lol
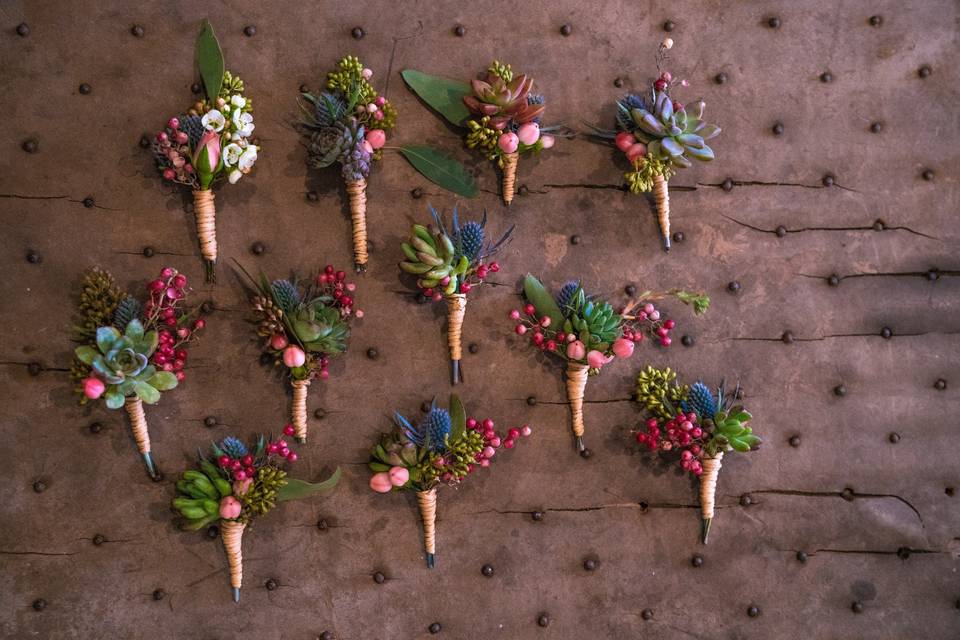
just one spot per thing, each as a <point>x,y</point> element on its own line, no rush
<point>94,554</point>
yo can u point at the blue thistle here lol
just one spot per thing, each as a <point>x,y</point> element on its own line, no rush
<point>565,295</point>
<point>437,425</point>
<point>286,294</point>
<point>701,400</point>
<point>471,240</point>
<point>233,447</point>
<point>193,127</point>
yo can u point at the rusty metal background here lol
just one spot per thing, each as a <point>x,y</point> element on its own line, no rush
<point>867,492</point>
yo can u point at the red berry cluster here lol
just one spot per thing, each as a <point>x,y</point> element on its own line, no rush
<point>680,433</point>
<point>492,442</point>
<point>666,81</point>
<point>281,448</point>
<point>334,283</point>
<point>172,150</point>
<point>471,279</point>
<point>241,468</point>
<point>174,329</point>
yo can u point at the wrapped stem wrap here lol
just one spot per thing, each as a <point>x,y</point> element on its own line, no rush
<point>708,490</point>
<point>510,161</point>
<point>206,214</point>
<point>231,532</point>
<point>358,213</point>
<point>138,425</point>
<point>576,386</point>
<point>456,310</point>
<point>299,409</point>
<point>427,500</point>
<point>661,196</point>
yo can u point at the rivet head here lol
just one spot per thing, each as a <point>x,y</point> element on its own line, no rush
<point>98,540</point>
<point>159,594</point>
<point>940,384</point>
<point>781,231</point>
<point>753,611</point>
<point>777,129</point>
<point>322,524</point>
<point>840,390</point>
<point>876,127</point>
<point>727,185</point>
<point>733,286</point>
<point>196,88</point>
<point>258,248</point>
<point>23,29</point>
<point>644,506</point>
<point>213,531</point>
<point>687,340</point>
<point>357,33</point>
<point>95,427</point>
<point>85,89</point>
<point>137,31</point>
<point>89,202</point>
<point>144,141</point>
<point>148,252</point>
<point>434,628</point>
<point>586,454</point>
<point>416,193</point>
<point>574,239</point>
<point>473,347</point>
<point>933,275</point>
<point>876,21</point>
<point>459,31</point>
<point>532,401</point>
<point>924,71</point>
<point>313,196</point>
<point>590,564</point>
<point>847,494</point>
<point>950,491</point>
<point>543,620</point>
<point>787,337</point>
<point>794,441</point>
<point>828,180</point>
<point>886,333</point>
<point>697,560</point>
<point>746,500</point>
<point>857,607</point>
<point>207,307</point>
<point>566,30</point>
<point>537,516</point>
<point>33,257</point>
<point>379,578</point>
<point>271,584</point>
<point>647,614</point>
<point>826,76</point>
<point>903,553</point>
<point>39,486</point>
<point>894,437</point>
<point>487,570</point>
<point>34,369</point>
<point>720,78</point>
<point>320,414</point>
<point>250,31</point>
<point>774,23</point>
<point>802,556</point>
<point>879,225</point>
<point>678,236</point>
<point>618,82</point>
<point>630,290</point>
<point>30,145</point>
<point>927,174</point>
<point>372,353</point>
<point>833,280</point>
<point>210,421</point>
<point>39,604</point>
<point>326,635</point>
<point>668,26</point>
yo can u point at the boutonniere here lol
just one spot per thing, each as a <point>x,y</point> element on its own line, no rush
<point>211,141</point>
<point>449,263</point>
<point>587,333</point>
<point>236,484</point>
<point>303,325</point>
<point>694,427</point>
<point>132,351</point>
<point>346,123</point>
<point>659,136</point>
<point>444,448</point>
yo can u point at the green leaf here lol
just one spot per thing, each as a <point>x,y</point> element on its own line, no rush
<point>739,445</point>
<point>440,169</point>
<point>742,416</point>
<point>163,381</point>
<point>146,392</point>
<point>296,489</point>
<point>442,94</point>
<point>114,398</point>
<point>86,354</point>
<point>541,300</point>
<point>700,301</point>
<point>210,61</point>
<point>458,418</point>
<point>134,329</point>
<point>106,336</point>
<point>378,467</point>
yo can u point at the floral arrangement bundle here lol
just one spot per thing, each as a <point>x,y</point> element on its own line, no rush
<point>235,485</point>
<point>348,124</point>
<point>131,352</point>
<point>500,113</point>
<point>211,141</point>
<point>689,423</point>
<point>587,333</point>
<point>302,326</point>
<point>659,135</point>
<point>449,264</point>
<point>444,448</point>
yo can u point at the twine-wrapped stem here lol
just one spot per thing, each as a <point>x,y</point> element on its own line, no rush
<point>456,310</point>
<point>427,500</point>
<point>138,424</point>
<point>708,491</point>
<point>661,195</point>
<point>299,409</point>
<point>231,532</point>
<point>576,386</point>
<point>206,214</point>
<point>358,214</point>
<point>510,161</point>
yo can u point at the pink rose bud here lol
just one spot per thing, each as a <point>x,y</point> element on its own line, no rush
<point>376,137</point>
<point>508,142</point>
<point>211,142</point>
<point>230,508</point>
<point>279,341</point>
<point>596,359</point>
<point>623,348</point>
<point>93,387</point>
<point>380,482</point>
<point>399,476</point>
<point>576,350</point>
<point>625,140</point>
<point>294,356</point>
<point>635,151</point>
<point>529,133</point>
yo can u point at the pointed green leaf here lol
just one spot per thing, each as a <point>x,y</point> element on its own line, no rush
<point>114,398</point>
<point>86,354</point>
<point>537,295</point>
<point>458,418</point>
<point>210,61</point>
<point>379,467</point>
<point>442,94</point>
<point>106,336</point>
<point>134,329</point>
<point>146,392</point>
<point>440,169</point>
<point>709,131</point>
<point>296,489</point>
<point>163,381</point>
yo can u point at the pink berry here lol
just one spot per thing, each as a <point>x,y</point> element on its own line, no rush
<point>292,457</point>
<point>488,452</point>
<point>471,423</point>
<point>247,460</point>
<point>488,424</point>
<point>199,324</point>
<point>239,475</point>
<point>508,444</point>
<point>169,174</point>
<point>180,376</point>
<point>465,287</point>
<point>666,76</point>
<point>625,140</point>
<point>665,341</point>
<point>294,357</point>
<point>485,463</point>
<point>93,387</point>
<point>669,324</point>
<point>514,315</point>
<point>289,430</point>
<point>513,433</point>
<point>495,267</point>
<point>526,430</point>
<point>223,461</point>
<point>508,142</point>
<point>495,441</point>
<point>520,329</point>
<point>279,341</point>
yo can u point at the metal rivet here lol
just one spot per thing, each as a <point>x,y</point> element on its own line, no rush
<point>781,231</point>
<point>313,196</point>
<point>537,516</point>
<point>196,87</point>
<point>85,89</point>
<point>207,307</point>
<point>826,76</point>
<point>828,180</point>
<point>89,202</point>
<point>532,401</point>
<point>33,257</point>
<point>833,280</point>
<point>630,290</point>
<point>753,611</point>
<point>159,594</point>
<point>39,486</point>
<point>319,414</point>
<point>746,500</point>
<point>777,128</point>
<point>801,556</point>
<point>213,531</point>
<point>473,347</point>
<point>379,578</point>
<point>417,193</point>
<point>30,145</point>
<point>34,369</point>
<point>372,353</point>
<point>940,384</point>
<point>39,604</point>
<point>687,340</point>
<point>950,491</point>
<point>258,248</point>
<point>566,30</point>
<point>787,337</point>
<point>543,620</point>
<point>894,437</point>
<point>459,31</point>
<point>678,236</point>
<point>927,175</point>
<point>95,427</point>
<point>697,560</point>
<point>326,635</point>
<point>618,82</point>
<point>933,275</point>
<point>523,190</point>
<point>773,23</point>
<point>271,584</point>
<point>924,71</point>
<point>876,127</point>
<point>733,286</point>
<point>137,30</point>
<point>98,540</point>
<point>249,31</point>
<point>210,421</point>
<point>487,570</point>
<point>840,390</point>
<point>322,525</point>
<point>794,441</point>
<point>876,21</point>
<point>585,454</point>
<point>23,29</point>
<point>879,225</point>
<point>857,607</point>
<point>847,494</point>
<point>644,506</point>
<point>357,33</point>
<point>144,141</point>
<point>903,553</point>
<point>886,333</point>
<point>434,628</point>
<point>647,614</point>
<point>148,252</point>
<point>720,78</point>
<point>727,185</point>
<point>574,239</point>
<point>590,564</point>
<point>668,26</point>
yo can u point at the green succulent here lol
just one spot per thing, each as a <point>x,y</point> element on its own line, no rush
<point>595,323</point>
<point>670,134</point>
<point>122,362</point>
<point>431,257</point>
<point>319,327</point>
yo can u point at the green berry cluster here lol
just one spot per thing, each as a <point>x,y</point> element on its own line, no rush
<point>658,391</point>
<point>261,497</point>
<point>350,81</point>
<point>454,459</point>
<point>502,71</point>
<point>483,137</point>
<point>641,178</point>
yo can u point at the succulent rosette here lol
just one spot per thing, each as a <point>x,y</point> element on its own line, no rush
<point>302,326</point>
<point>449,263</point>
<point>695,427</point>
<point>131,352</point>
<point>210,141</point>
<point>347,123</point>
<point>443,448</point>
<point>587,333</point>
<point>235,484</point>
<point>659,135</point>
